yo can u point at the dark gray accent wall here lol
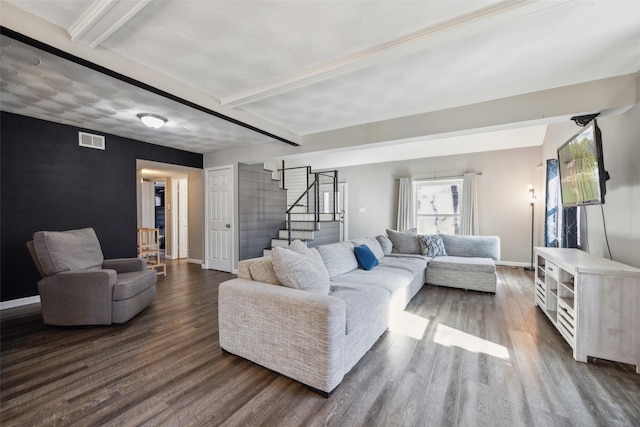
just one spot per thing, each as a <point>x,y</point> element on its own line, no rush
<point>48,182</point>
<point>262,206</point>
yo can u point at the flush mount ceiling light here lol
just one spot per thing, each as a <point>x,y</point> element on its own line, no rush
<point>152,120</point>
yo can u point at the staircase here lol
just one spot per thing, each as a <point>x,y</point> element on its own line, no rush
<point>312,214</point>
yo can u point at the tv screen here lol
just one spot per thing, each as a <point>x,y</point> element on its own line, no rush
<point>582,174</point>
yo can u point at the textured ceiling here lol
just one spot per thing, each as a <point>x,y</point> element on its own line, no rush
<point>42,85</point>
<point>303,67</point>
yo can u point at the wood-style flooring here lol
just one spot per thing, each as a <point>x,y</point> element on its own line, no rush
<point>461,359</point>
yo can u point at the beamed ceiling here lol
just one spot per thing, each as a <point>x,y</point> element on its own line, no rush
<point>319,74</point>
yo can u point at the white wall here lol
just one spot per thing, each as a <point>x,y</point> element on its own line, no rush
<point>621,149</point>
<point>503,199</point>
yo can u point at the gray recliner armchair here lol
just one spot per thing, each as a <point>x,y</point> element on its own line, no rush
<point>80,287</point>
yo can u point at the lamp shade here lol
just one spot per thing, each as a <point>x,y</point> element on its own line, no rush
<point>152,120</point>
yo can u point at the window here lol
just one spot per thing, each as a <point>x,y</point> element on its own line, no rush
<point>437,204</point>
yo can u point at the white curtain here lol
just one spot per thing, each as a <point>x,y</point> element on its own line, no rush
<point>469,211</point>
<point>406,212</point>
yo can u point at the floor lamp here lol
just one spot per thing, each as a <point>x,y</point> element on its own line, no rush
<point>532,201</point>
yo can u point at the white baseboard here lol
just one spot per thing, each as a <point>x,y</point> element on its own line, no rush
<point>233,270</point>
<point>513,263</point>
<point>19,302</point>
<point>194,261</point>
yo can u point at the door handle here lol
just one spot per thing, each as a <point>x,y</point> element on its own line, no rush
<point>228,225</point>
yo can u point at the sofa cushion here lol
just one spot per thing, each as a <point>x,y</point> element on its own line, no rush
<point>385,244</point>
<point>338,258</point>
<point>470,264</point>
<point>396,281</point>
<point>372,243</point>
<point>71,250</point>
<point>363,305</point>
<point>131,284</point>
<point>472,246</point>
<point>262,270</point>
<point>365,257</point>
<point>404,242</point>
<point>304,271</point>
<point>414,265</point>
<point>432,245</point>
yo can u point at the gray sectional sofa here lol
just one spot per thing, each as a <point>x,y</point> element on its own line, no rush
<point>279,317</point>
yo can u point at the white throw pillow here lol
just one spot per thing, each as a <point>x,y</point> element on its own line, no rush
<point>299,268</point>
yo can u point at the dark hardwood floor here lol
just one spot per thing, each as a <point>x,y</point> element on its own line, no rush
<point>460,359</point>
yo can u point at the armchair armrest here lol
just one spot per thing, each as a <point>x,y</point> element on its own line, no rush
<point>297,333</point>
<point>77,297</point>
<point>125,265</point>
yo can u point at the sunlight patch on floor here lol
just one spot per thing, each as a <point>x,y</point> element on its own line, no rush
<point>454,338</point>
<point>408,324</point>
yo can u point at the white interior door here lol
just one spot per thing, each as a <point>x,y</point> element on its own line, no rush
<point>148,205</point>
<point>180,218</point>
<point>183,218</point>
<point>343,211</point>
<point>219,218</point>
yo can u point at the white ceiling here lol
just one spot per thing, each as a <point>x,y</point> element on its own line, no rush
<point>299,68</point>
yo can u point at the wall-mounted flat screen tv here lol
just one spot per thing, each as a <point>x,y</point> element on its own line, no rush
<point>581,167</point>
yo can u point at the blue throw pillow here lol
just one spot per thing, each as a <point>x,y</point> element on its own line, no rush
<point>432,245</point>
<point>365,256</point>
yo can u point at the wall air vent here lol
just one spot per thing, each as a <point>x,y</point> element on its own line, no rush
<point>90,140</point>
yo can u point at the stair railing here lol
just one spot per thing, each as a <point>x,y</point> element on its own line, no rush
<point>333,176</point>
<point>313,192</point>
<point>306,193</point>
<point>287,184</point>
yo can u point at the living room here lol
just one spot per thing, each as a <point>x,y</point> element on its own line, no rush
<point>506,139</point>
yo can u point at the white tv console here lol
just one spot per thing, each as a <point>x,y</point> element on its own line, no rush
<point>594,303</point>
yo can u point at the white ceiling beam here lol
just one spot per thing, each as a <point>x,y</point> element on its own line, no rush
<point>445,31</point>
<point>609,96</point>
<point>102,19</point>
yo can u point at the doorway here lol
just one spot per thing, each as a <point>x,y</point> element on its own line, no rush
<point>180,217</point>
<point>160,214</point>
<point>219,238</point>
<point>343,211</point>
<point>176,198</point>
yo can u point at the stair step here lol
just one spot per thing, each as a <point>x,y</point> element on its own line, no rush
<point>296,234</point>
<point>283,243</point>
<point>266,252</point>
<point>305,225</point>
<point>310,217</point>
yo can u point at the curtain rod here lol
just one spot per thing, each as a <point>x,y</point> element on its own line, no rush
<point>441,177</point>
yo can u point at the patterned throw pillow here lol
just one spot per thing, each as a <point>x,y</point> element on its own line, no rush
<point>404,242</point>
<point>432,245</point>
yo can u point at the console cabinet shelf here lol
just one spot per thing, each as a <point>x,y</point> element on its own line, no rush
<point>592,301</point>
